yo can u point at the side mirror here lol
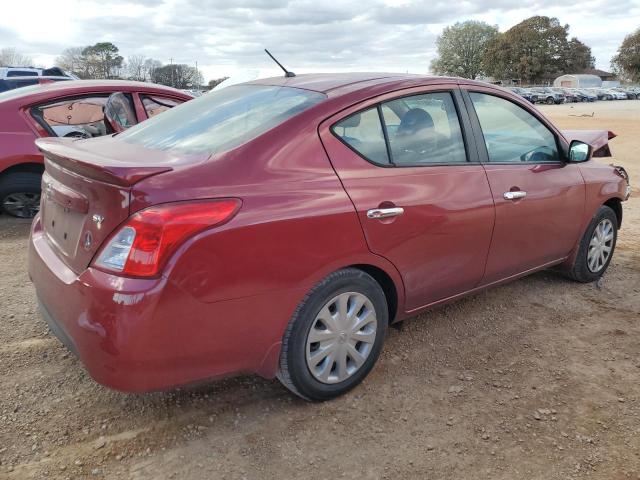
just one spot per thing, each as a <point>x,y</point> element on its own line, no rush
<point>119,112</point>
<point>579,151</point>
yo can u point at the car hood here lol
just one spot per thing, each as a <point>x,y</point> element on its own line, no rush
<point>598,139</point>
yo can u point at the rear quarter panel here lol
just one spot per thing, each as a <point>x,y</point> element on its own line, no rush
<point>296,225</point>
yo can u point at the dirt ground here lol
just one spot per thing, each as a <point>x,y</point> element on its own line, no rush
<point>534,380</point>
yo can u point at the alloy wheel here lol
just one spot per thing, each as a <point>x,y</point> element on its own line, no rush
<point>22,204</point>
<point>600,246</point>
<point>341,337</point>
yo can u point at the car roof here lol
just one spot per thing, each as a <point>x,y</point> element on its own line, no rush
<point>73,87</point>
<point>334,84</point>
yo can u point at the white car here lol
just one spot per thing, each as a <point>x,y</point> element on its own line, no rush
<point>11,72</point>
<point>617,95</point>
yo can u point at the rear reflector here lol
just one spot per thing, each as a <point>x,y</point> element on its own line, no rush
<point>144,243</point>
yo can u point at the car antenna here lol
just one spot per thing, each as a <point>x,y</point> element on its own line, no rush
<point>287,73</point>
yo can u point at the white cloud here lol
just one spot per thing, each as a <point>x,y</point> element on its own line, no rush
<point>225,36</point>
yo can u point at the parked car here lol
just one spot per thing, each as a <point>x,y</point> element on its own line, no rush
<point>548,96</point>
<point>585,95</point>
<point>628,93</point>
<point>617,94</point>
<point>11,83</point>
<point>65,109</point>
<point>278,227</point>
<point>11,72</point>
<point>569,96</point>
<point>524,93</point>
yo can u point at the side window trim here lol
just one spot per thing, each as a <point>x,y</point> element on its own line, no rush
<point>466,127</point>
<point>479,135</point>
<point>385,134</point>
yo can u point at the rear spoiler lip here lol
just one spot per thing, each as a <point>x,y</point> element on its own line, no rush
<point>597,139</point>
<point>64,154</point>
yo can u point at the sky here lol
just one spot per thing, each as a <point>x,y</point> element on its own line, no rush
<point>227,37</point>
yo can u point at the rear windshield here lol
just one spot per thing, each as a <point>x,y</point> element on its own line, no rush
<point>221,120</point>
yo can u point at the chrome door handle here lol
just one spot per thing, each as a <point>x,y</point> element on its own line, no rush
<point>385,212</point>
<point>514,195</point>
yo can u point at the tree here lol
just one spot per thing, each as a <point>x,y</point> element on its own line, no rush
<point>135,68</point>
<point>72,61</point>
<point>150,66</point>
<point>102,60</point>
<point>461,49</point>
<point>626,62</point>
<point>97,61</point>
<point>216,82</point>
<point>578,57</point>
<point>9,57</point>
<point>178,76</point>
<point>535,50</point>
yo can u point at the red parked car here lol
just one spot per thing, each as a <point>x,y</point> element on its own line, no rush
<point>278,227</point>
<point>64,109</point>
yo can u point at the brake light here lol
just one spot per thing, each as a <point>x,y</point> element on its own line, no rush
<point>144,243</point>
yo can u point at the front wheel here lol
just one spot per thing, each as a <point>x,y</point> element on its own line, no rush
<point>550,101</point>
<point>335,336</point>
<point>596,247</point>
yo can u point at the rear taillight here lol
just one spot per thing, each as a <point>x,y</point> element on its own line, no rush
<point>144,243</point>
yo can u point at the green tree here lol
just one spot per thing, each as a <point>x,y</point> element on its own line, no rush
<point>216,82</point>
<point>626,62</point>
<point>102,60</point>
<point>535,50</point>
<point>97,61</point>
<point>578,57</point>
<point>461,49</point>
<point>178,76</point>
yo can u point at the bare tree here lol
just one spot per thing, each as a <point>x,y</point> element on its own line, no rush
<point>9,57</point>
<point>72,60</point>
<point>150,66</point>
<point>134,68</point>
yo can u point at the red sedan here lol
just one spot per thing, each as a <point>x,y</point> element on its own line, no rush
<point>64,109</point>
<point>278,227</point>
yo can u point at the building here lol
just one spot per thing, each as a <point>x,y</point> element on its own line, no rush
<point>581,80</point>
<point>604,76</point>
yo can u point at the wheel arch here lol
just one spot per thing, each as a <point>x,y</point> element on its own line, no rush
<point>615,204</point>
<point>28,167</point>
<point>386,283</point>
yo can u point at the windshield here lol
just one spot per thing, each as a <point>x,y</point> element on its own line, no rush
<point>223,119</point>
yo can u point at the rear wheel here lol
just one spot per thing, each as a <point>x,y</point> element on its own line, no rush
<point>335,336</point>
<point>596,247</point>
<point>20,194</point>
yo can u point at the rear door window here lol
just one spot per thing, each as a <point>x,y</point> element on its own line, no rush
<point>80,117</point>
<point>424,129</point>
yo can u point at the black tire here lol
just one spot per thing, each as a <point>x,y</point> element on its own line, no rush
<point>24,184</point>
<point>294,372</point>
<point>550,101</point>
<point>580,270</point>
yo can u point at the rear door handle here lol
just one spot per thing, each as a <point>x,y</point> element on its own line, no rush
<point>514,195</point>
<point>384,212</point>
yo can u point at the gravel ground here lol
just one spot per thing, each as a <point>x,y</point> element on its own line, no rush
<point>537,379</point>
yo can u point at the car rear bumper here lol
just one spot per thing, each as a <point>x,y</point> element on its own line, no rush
<point>140,335</point>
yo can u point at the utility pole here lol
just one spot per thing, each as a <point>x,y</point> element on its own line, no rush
<point>171,68</point>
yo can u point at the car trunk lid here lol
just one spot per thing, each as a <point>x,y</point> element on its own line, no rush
<point>86,194</point>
